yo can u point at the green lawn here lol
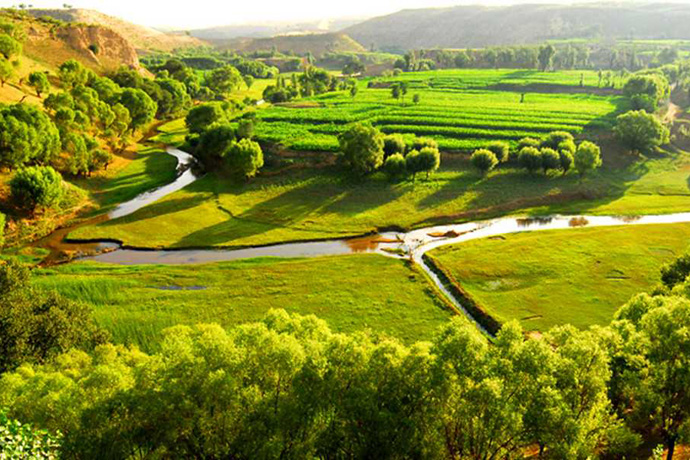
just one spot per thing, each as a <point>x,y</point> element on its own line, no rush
<point>350,292</point>
<point>547,278</point>
<point>320,204</point>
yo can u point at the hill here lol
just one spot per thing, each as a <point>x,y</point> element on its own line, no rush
<point>142,38</point>
<point>317,44</point>
<point>271,29</point>
<point>480,26</point>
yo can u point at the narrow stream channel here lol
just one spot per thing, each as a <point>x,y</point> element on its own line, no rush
<point>411,245</point>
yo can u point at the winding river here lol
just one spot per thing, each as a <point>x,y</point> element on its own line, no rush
<point>412,245</point>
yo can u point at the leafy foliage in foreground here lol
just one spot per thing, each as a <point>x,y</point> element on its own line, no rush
<point>22,441</point>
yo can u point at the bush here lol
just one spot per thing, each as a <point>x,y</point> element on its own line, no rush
<point>500,149</point>
<point>530,159</point>
<point>640,131</point>
<point>392,144</point>
<point>430,159</point>
<point>550,159</point>
<point>36,186</point>
<point>568,146</point>
<point>395,166</point>
<point>484,160</point>
<point>413,163</point>
<point>244,158</point>
<point>566,160</point>
<point>643,102</point>
<point>528,142</point>
<point>555,138</point>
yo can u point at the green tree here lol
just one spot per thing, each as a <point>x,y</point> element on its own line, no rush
<point>9,47</point>
<point>353,91</point>
<point>554,139</point>
<point>39,82</point>
<point>421,142</point>
<point>244,157</point>
<point>38,326</point>
<point>245,129</point>
<point>396,92</point>
<point>203,116</point>
<point>248,81</point>
<point>652,360</point>
<point>79,156</point>
<point>72,73</point>
<point>500,149</point>
<point>141,107</point>
<point>566,160</point>
<point>362,148</point>
<point>394,166</point>
<point>416,99</point>
<point>546,54</point>
<point>174,100</point>
<point>675,273</point>
<point>484,160</point>
<point>654,86</point>
<point>641,131</point>
<point>587,157</point>
<point>550,159</point>
<point>213,144</point>
<point>6,71</point>
<point>392,144</point>
<point>430,160</point>
<point>224,79</point>
<point>530,159</point>
<point>27,134</point>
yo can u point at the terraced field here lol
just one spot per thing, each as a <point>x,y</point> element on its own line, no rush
<point>461,109</point>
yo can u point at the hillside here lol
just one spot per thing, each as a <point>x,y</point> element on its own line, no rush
<point>317,44</point>
<point>479,26</point>
<point>142,38</point>
<point>271,29</point>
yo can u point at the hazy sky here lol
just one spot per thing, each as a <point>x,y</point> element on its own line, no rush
<point>205,13</point>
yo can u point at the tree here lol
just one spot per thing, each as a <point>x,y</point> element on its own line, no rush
<point>550,159</point>
<point>244,158</point>
<point>174,100</point>
<point>392,144</point>
<point>362,148</point>
<point>224,79</point>
<point>213,144</point>
<point>413,163</point>
<point>429,159</point>
<point>641,131</point>
<point>248,81</point>
<point>652,360</point>
<point>421,142</point>
<point>245,129</point>
<point>395,166</point>
<point>654,86</point>
<point>566,160</point>
<point>676,272</point>
<point>528,142</point>
<point>500,149</point>
<point>27,134</point>
<point>484,160</point>
<point>396,92</point>
<point>530,159</point>
<point>416,99</point>
<point>39,82</point>
<point>72,74</point>
<point>141,107</point>
<point>353,91</point>
<point>546,54</point>
<point>36,186</point>
<point>6,71</point>
<point>99,159</point>
<point>79,156</point>
<point>587,157</point>
<point>9,47</point>
<point>203,116</point>
<point>554,139</point>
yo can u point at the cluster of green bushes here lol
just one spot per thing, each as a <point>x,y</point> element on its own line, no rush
<point>364,149</point>
<point>308,83</point>
<point>556,152</point>
<point>289,387</point>
<point>221,144</point>
<point>206,58</point>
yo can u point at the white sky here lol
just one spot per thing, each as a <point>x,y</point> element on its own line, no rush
<point>207,13</point>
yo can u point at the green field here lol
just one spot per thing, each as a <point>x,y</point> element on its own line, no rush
<point>577,277</point>
<point>461,109</point>
<point>350,292</point>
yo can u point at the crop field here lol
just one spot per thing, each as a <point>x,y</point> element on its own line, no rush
<point>461,109</point>
<point>549,278</point>
<point>136,302</point>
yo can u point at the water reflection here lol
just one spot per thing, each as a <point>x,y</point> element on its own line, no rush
<point>578,222</point>
<point>533,221</point>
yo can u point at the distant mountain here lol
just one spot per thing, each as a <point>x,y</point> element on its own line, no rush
<point>480,26</point>
<point>317,44</point>
<point>271,29</point>
<point>142,38</point>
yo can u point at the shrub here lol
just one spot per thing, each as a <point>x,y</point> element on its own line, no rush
<point>555,138</point>
<point>484,160</point>
<point>500,150</point>
<point>395,166</point>
<point>392,144</point>
<point>36,186</point>
<point>568,146</point>
<point>550,159</point>
<point>244,158</point>
<point>530,159</point>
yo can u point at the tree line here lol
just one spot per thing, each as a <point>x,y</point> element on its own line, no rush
<point>289,387</point>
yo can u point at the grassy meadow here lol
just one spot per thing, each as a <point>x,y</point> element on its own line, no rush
<point>355,292</point>
<point>578,276</point>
